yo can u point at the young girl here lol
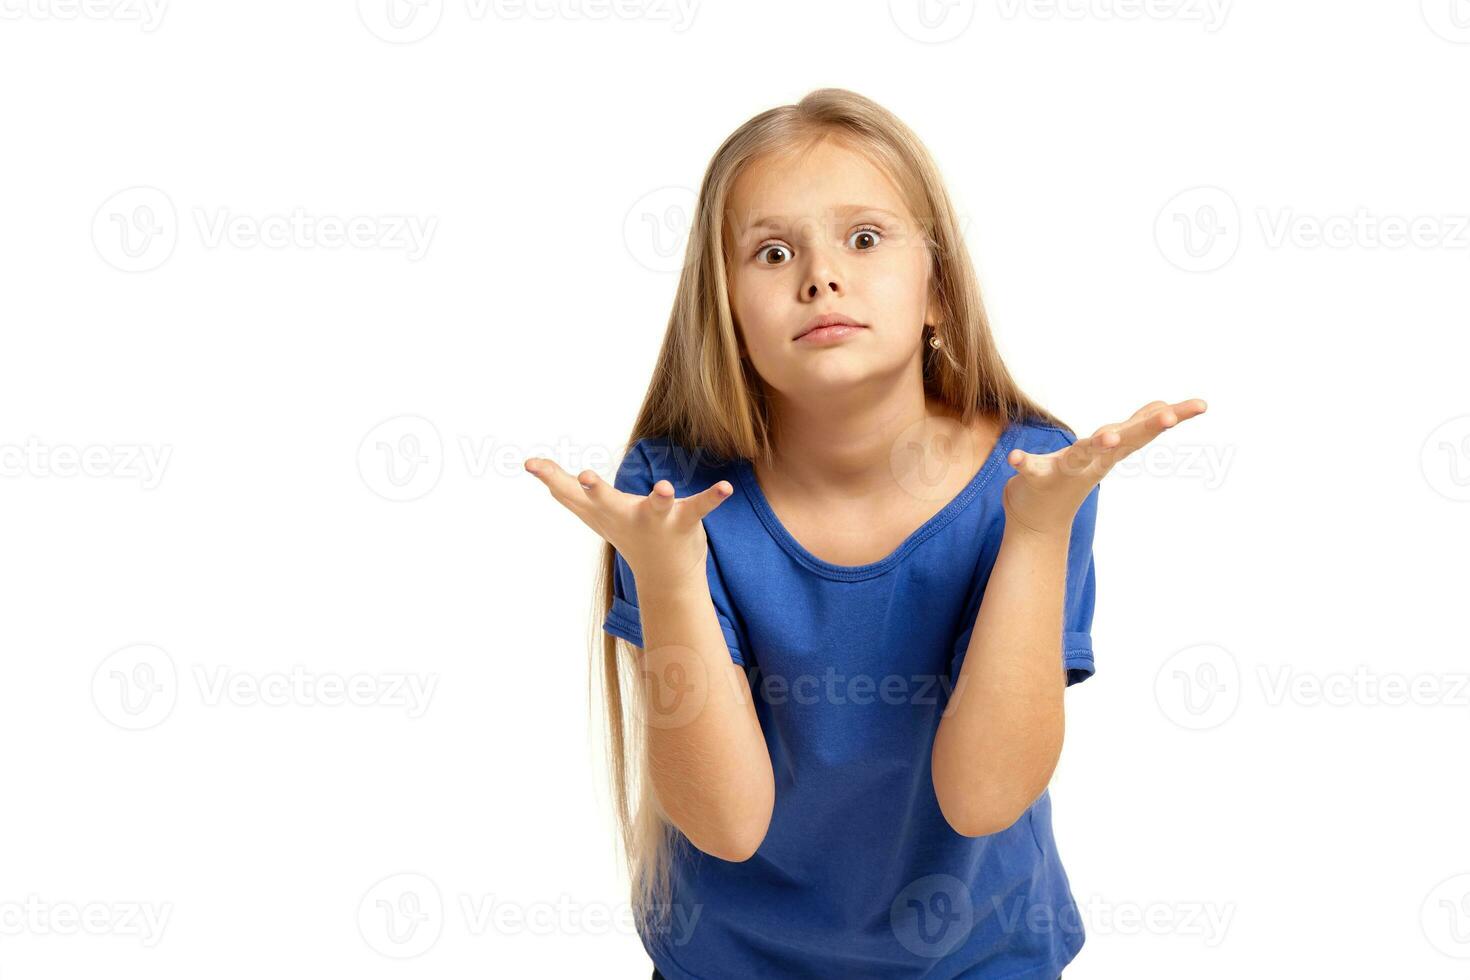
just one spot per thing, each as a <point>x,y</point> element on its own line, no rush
<point>853,565</point>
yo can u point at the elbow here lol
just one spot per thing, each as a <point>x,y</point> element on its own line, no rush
<point>975,815</point>
<point>736,846</point>
<point>736,850</point>
<point>740,841</point>
<point>980,823</point>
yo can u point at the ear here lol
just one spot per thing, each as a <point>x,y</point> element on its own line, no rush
<point>933,312</point>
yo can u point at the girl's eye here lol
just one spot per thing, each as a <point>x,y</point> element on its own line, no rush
<point>870,233</point>
<point>766,250</point>
<point>867,234</point>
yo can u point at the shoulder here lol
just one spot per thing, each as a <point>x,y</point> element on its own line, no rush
<point>655,458</point>
<point>1036,436</point>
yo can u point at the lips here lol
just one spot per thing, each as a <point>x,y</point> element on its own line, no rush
<point>827,320</point>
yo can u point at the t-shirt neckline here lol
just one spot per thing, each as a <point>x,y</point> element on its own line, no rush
<point>933,525</point>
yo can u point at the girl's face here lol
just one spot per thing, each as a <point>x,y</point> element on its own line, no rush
<point>826,232</point>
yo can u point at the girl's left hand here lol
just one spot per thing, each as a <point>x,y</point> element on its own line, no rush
<point>1048,488</point>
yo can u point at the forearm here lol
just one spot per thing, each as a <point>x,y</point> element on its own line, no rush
<point>707,755</point>
<point>1001,734</point>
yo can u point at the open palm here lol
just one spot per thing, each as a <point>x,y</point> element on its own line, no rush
<point>660,536</point>
<point>1048,488</point>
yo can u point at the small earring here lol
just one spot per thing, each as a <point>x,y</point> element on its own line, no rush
<point>935,342</point>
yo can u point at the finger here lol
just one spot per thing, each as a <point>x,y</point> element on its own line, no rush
<point>708,499</point>
<point>661,497</point>
<point>1148,409</point>
<point>1189,408</point>
<point>1112,442</point>
<point>563,485</point>
<point>1089,451</point>
<point>1029,464</point>
<point>594,486</point>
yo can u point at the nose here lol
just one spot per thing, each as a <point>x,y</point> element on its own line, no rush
<point>821,277</point>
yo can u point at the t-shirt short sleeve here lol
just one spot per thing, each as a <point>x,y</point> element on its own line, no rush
<point>1077,602</point>
<point>1081,594</point>
<point>636,474</point>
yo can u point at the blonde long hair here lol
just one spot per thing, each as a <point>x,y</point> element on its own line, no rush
<point>703,394</point>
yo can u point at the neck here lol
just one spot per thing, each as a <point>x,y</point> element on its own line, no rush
<point>848,444</point>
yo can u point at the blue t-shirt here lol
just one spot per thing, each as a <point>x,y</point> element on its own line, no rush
<point>860,875</point>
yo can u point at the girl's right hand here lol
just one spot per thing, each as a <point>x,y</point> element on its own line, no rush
<point>660,536</point>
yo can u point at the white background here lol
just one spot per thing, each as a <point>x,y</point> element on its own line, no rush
<point>1309,531</point>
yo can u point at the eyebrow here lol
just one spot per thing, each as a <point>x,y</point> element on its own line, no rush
<point>777,220</point>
